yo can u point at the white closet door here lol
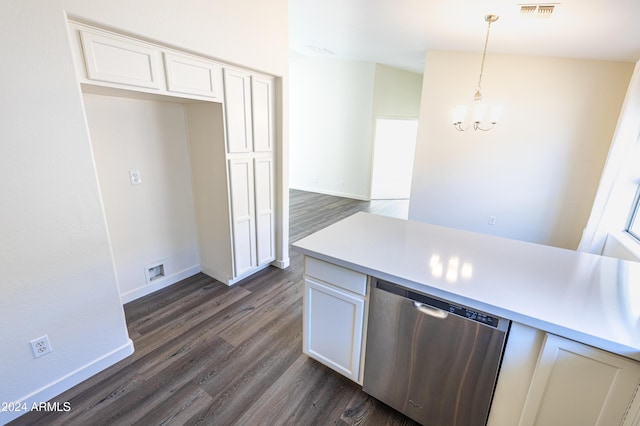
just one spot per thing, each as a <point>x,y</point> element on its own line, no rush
<point>243,215</point>
<point>265,220</point>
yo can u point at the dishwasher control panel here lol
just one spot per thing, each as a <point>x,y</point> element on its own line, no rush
<point>474,315</point>
<point>452,308</point>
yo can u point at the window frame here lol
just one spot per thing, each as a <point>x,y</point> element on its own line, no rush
<point>633,224</point>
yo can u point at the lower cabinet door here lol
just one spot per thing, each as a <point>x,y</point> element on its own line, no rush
<point>332,330</point>
<point>264,209</point>
<point>243,215</point>
<point>576,384</point>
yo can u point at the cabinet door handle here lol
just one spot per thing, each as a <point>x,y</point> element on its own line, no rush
<point>429,310</point>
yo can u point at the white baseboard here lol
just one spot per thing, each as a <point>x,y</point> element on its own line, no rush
<point>225,279</point>
<point>158,284</point>
<point>282,264</point>
<point>231,282</point>
<point>65,383</point>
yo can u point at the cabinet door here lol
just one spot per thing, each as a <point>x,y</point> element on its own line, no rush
<point>575,384</point>
<point>119,60</point>
<point>193,76</point>
<point>237,107</point>
<point>242,215</point>
<point>262,108</point>
<point>265,218</point>
<point>332,327</point>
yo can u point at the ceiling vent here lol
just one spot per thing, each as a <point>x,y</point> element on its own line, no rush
<point>537,10</point>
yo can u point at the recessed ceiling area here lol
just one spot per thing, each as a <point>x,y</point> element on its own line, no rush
<point>399,32</point>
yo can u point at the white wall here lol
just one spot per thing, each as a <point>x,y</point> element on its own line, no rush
<point>396,93</point>
<point>56,270</point>
<point>154,221</point>
<point>333,105</point>
<point>538,169</point>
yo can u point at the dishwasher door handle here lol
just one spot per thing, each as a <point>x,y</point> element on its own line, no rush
<point>430,310</point>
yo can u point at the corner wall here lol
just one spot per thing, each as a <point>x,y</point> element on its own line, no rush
<point>334,105</point>
<point>331,107</point>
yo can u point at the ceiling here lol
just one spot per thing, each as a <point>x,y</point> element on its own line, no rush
<point>399,32</point>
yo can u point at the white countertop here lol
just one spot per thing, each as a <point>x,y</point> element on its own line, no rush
<point>585,297</point>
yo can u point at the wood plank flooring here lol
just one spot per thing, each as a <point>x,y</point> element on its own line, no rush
<point>208,354</point>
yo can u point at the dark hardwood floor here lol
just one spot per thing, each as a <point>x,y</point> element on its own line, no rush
<point>208,354</point>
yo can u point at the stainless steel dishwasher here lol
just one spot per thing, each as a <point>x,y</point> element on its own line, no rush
<point>435,361</point>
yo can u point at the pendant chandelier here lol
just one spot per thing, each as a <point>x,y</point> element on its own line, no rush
<point>479,110</point>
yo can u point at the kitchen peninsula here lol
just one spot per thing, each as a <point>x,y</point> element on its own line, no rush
<point>565,306</point>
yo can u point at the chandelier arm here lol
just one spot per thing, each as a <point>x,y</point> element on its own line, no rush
<point>477,127</point>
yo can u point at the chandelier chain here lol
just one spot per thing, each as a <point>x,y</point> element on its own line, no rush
<point>489,20</point>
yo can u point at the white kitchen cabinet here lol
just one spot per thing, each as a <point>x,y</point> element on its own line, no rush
<point>234,200</point>
<point>105,59</point>
<point>265,219</point>
<point>575,384</point>
<point>193,76</point>
<point>262,109</point>
<point>237,93</point>
<point>231,144</point>
<point>249,109</point>
<point>123,61</point>
<point>243,214</point>
<point>334,316</point>
<point>252,202</point>
<point>249,119</point>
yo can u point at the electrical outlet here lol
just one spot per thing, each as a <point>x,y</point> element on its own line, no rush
<point>40,346</point>
<point>135,177</point>
<point>492,220</point>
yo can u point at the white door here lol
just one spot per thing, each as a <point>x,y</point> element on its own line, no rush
<point>393,154</point>
<point>242,208</point>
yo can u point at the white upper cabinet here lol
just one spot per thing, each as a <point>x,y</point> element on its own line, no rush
<point>193,76</point>
<point>116,61</point>
<point>237,93</point>
<point>119,60</point>
<point>262,108</point>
